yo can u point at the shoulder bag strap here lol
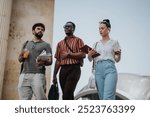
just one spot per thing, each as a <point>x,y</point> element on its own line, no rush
<point>23,61</point>
<point>68,45</point>
<point>93,66</point>
<point>25,44</point>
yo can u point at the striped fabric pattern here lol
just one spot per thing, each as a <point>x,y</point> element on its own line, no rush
<point>75,44</point>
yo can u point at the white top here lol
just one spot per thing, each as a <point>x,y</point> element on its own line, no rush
<point>106,50</point>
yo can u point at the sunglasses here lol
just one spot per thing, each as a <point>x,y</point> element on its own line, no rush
<point>68,26</point>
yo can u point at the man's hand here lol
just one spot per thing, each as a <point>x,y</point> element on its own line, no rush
<point>64,55</point>
<point>55,79</point>
<point>40,62</point>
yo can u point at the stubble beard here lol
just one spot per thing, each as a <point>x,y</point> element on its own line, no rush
<point>39,35</point>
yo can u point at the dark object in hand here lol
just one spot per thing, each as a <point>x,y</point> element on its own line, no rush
<point>117,52</point>
<point>86,49</point>
<point>53,92</point>
<point>95,55</point>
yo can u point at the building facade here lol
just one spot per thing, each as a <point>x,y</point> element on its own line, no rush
<point>129,87</point>
<point>16,20</point>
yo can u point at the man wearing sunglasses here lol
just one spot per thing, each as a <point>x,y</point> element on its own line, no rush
<point>69,59</point>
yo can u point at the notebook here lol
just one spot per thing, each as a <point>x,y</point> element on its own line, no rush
<point>86,49</point>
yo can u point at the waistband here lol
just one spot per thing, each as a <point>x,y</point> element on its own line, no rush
<point>107,60</point>
<point>70,65</point>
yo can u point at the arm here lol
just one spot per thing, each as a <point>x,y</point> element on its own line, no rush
<point>44,62</point>
<point>117,56</point>
<point>20,58</point>
<point>56,69</point>
<point>76,55</point>
<point>90,54</point>
<point>117,52</point>
<point>49,62</point>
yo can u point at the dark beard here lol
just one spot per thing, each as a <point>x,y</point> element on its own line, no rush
<point>69,33</point>
<point>39,35</point>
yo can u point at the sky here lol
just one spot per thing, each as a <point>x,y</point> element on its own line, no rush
<point>130,21</point>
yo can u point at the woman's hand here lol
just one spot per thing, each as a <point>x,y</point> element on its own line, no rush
<point>117,55</point>
<point>90,54</point>
<point>117,52</point>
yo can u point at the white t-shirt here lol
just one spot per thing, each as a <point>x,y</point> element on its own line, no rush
<point>106,50</point>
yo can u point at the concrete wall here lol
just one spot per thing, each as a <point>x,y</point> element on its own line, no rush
<point>5,13</point>
<point>24,14</point>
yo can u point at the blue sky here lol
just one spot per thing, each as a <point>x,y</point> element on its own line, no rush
<point>130,26</point>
